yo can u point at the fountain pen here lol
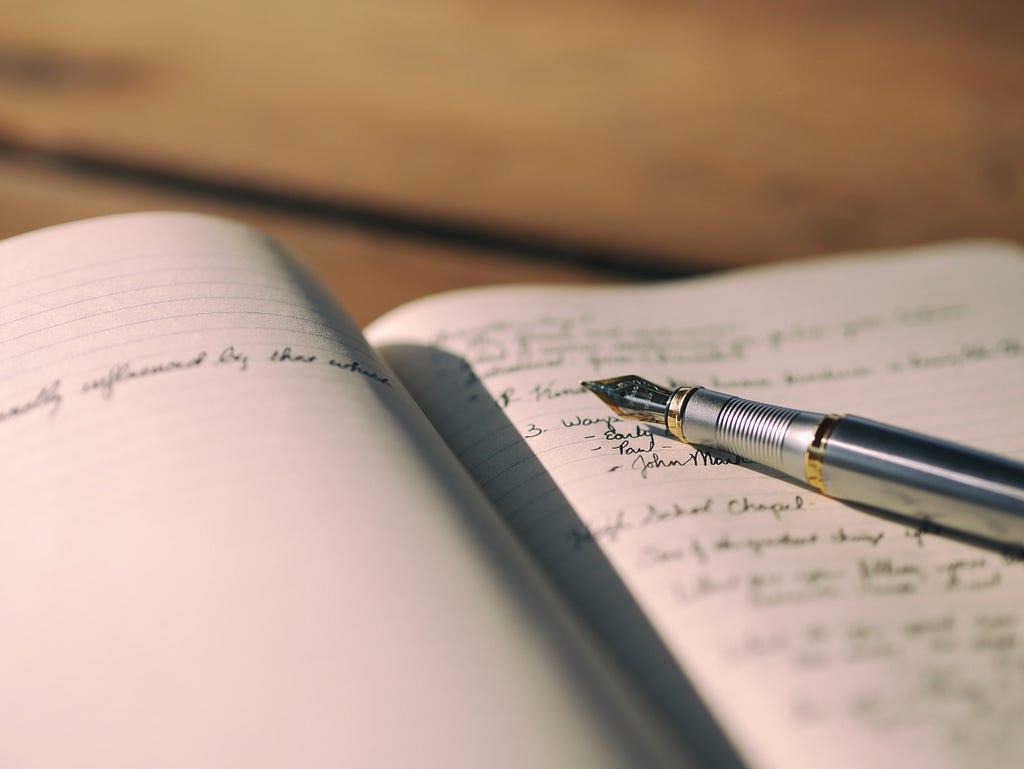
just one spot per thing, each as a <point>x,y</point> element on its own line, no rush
<point>868,463</point>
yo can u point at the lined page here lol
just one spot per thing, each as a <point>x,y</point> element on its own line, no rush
<point>228,538</point>
<point>816,634</point>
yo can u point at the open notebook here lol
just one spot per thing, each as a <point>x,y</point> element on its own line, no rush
<point>234,533</point>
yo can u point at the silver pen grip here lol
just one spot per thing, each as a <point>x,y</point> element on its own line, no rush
<point>863,462</point>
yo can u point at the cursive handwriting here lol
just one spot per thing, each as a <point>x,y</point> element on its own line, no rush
<point>125,372</point>
<point>48,396</point>
<point>695,458</point>
<point>230,355</point>
<point>744,505</point>
<point>285,355</point>
<point>356,368</point>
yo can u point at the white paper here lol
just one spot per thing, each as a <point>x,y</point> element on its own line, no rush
<point>816,634</point>
<point>226,539</point>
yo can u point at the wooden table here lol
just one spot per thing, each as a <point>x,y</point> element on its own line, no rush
<point>449,143</point>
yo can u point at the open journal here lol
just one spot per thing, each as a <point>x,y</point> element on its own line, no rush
<point>234,532</point>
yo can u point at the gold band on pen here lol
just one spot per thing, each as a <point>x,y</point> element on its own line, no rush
<point>674,413</point>
<point>814,468</point>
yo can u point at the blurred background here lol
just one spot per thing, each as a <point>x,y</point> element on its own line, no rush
<point>405,148</point>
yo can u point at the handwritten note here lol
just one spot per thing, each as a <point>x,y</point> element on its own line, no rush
<point>817,634</point>
<point>227,535</point>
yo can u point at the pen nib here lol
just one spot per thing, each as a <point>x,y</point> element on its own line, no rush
<point>632,397</point>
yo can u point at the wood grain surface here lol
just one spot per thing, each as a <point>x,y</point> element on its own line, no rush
<point>694,133</point>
